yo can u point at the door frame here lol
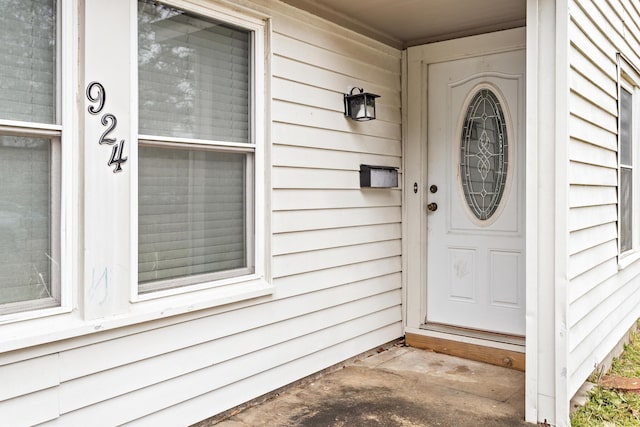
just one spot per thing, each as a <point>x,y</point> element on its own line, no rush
<point>415,90</point>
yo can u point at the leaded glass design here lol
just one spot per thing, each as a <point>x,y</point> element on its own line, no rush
<point>484,158</point>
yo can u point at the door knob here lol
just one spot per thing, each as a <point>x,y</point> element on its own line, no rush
<point>432,207</point>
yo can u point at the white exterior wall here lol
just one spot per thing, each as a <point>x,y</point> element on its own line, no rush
<point>335,263</point>
<point>604,301</point>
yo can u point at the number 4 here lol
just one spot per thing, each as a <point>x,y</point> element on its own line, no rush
<point>116,157</point>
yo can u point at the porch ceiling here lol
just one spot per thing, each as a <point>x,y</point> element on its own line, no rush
<point>404,23</point>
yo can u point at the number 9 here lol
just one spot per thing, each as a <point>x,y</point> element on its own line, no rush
<point>100,97</point>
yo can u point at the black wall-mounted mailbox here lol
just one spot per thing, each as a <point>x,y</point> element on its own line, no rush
<point>378,176</point>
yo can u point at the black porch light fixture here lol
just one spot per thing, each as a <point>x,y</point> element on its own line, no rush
<point>360,106</point>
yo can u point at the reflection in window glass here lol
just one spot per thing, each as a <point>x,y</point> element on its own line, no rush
<point>28,60</point>
<point>193,76</point>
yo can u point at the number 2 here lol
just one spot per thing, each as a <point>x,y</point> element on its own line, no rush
<point>111,127</point>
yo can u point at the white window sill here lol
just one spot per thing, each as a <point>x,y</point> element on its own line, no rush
<point>38,331</point>
<point>627,259</point>
<point>35,313</point>
<point>179,290</point>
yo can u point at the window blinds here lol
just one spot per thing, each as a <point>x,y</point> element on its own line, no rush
<point>194,82</point>
<point>28,60</point>
<point>193,76</point>
<point>25,218</point>
<point>28,94</point>
<point>191,212</point>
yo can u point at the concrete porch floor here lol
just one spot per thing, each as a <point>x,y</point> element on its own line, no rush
<point>401,386</point>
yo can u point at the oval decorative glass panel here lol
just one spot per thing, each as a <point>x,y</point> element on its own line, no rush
<point>484,159</point>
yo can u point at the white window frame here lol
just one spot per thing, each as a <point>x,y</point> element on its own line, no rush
<point>62,171</point>
<point>256,229</point>
<point>78,314</point>
<point>629,79</point>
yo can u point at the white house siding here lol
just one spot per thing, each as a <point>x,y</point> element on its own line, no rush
<point>603,301</point>
<point>335,262</point>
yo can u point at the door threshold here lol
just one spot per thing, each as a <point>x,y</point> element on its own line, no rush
<point>463,346</point>
<point>474,333</point>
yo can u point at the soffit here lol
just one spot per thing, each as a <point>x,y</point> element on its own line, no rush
<point>403,23</point>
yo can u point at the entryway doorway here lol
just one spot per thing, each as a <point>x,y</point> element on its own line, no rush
<point>465,164</point>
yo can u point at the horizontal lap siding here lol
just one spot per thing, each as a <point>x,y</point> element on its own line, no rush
<point>29,391</point>
<point>266,347</point>
<point>335,263</point>
<point>604,301</point>
<point>323,221</point>
<point>325,227</point>
<point>217,400</point>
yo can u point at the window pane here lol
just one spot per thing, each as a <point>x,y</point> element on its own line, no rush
<point>25,219</point>
<point>626,114</point>
<point>191,213</point>
<point>193,76</point>
<point>626,205</point>
<point>28,60</point>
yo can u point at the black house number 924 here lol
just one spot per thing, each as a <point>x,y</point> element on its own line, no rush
<point>98,96</point>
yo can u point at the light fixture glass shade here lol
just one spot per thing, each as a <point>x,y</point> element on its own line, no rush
<point>360,106</point>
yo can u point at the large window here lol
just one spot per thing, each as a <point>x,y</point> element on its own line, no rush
<point>29,155</point>
<point>196,149</point>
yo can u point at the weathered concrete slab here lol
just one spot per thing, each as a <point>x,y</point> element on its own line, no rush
<point>401,387</point>
<point>460,374</point>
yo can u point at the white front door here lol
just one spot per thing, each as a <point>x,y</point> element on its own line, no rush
<point>475,196</point>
